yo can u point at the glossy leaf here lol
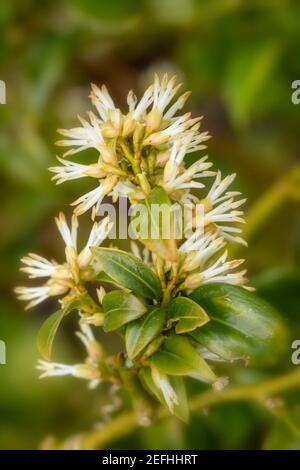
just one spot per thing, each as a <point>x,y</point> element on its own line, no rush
<point>159,230</point>
<point>120,308</point>
<point>129,271</point>
<point>187,313</point>
<point>181,410</point>
<point>241,324</point>
<point>103,277</point>
<point>178,357</point>
<point>47,333</point>
<point>141,332</point>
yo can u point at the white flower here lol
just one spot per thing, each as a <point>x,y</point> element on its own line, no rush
<point>181,178</point>
<point>95,197</point>
<point>123,188</point>
<point>178,126</point>
<point>82,138</point>
<point>143,254</point>
<point>89,370</point>
<point>71,171</point>
<point>62,277</point>
<point>102,100</point>
<point>37,266</point>
<point>139,109</point>
<point>36,295</point>
<point>176,176</point>
<point>99,232</point>
<point>219,271</point>
<point>93,348</point>
<point>221,208</point>
<point>199,249</point>
<point>164,91</point>
<point>82,371</point>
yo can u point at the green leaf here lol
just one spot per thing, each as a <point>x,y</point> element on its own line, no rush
<point>141,332</point>
<point>159,236</point>
<point>178,357</point>
<point>187,313</point>
<point>104,277</point>
<point>120,308</point>
<point>181,410</point>
<point>129,271</point>
<point>47,333</point>
<point>241,324</point>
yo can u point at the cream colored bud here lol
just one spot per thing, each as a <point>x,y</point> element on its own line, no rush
<point>95,351</point>
<point>129,125</point>
<point>107,154</point>
<point>96,319</point>
<point>162,157</point>
<point>100,294</point>
<point>86,371</point>
<point>156,139</point>
<point>57,289</point>
<point>95,171</point>
<point>71,257</point>
<point>62,272</point>
<point>193,281</point>
<point>153,121</point>
<point>191,262</point>
<point>170,171</point>
<point>207,204</point>
<point>220,384</point>
<point>109,131</point>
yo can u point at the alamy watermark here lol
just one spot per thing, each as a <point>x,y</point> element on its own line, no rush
<point>296,94</point>
<point>2,92</point>
<point>155,221</point>
<point>2,352</point>
<point>296,354</point>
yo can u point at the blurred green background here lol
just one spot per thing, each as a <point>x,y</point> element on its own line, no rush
<point>239,58</point>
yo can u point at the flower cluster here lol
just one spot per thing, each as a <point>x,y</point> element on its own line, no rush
<point>89,370</point>
<point>138,152</point>
<point>67,276</point>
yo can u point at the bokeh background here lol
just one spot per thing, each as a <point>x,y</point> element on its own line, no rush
<point>239,58</point>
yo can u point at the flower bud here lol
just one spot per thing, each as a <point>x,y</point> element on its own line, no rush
<point>162,157</point>
<point>153,121</point>
<point>95,171</point>
<point>170,171</point>
<point>156,139</point>
<point>193,281</point>
<point>86,371</point>
<point>129,125</point>
<point>109,131</point>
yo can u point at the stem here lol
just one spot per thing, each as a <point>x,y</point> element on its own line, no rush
<point>127,422</point>
<point>134,163</point>
<point>120,426</point>
<point>171,284</point>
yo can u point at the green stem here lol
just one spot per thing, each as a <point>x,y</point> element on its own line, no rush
<point>128,155</point>
<point>172,283</point>
<point>127,422</point>
<point>120,426</point>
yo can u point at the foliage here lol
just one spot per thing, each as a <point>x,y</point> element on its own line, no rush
<point>50,53</point>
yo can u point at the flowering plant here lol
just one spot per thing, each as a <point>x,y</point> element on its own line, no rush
<point>178,303</point>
